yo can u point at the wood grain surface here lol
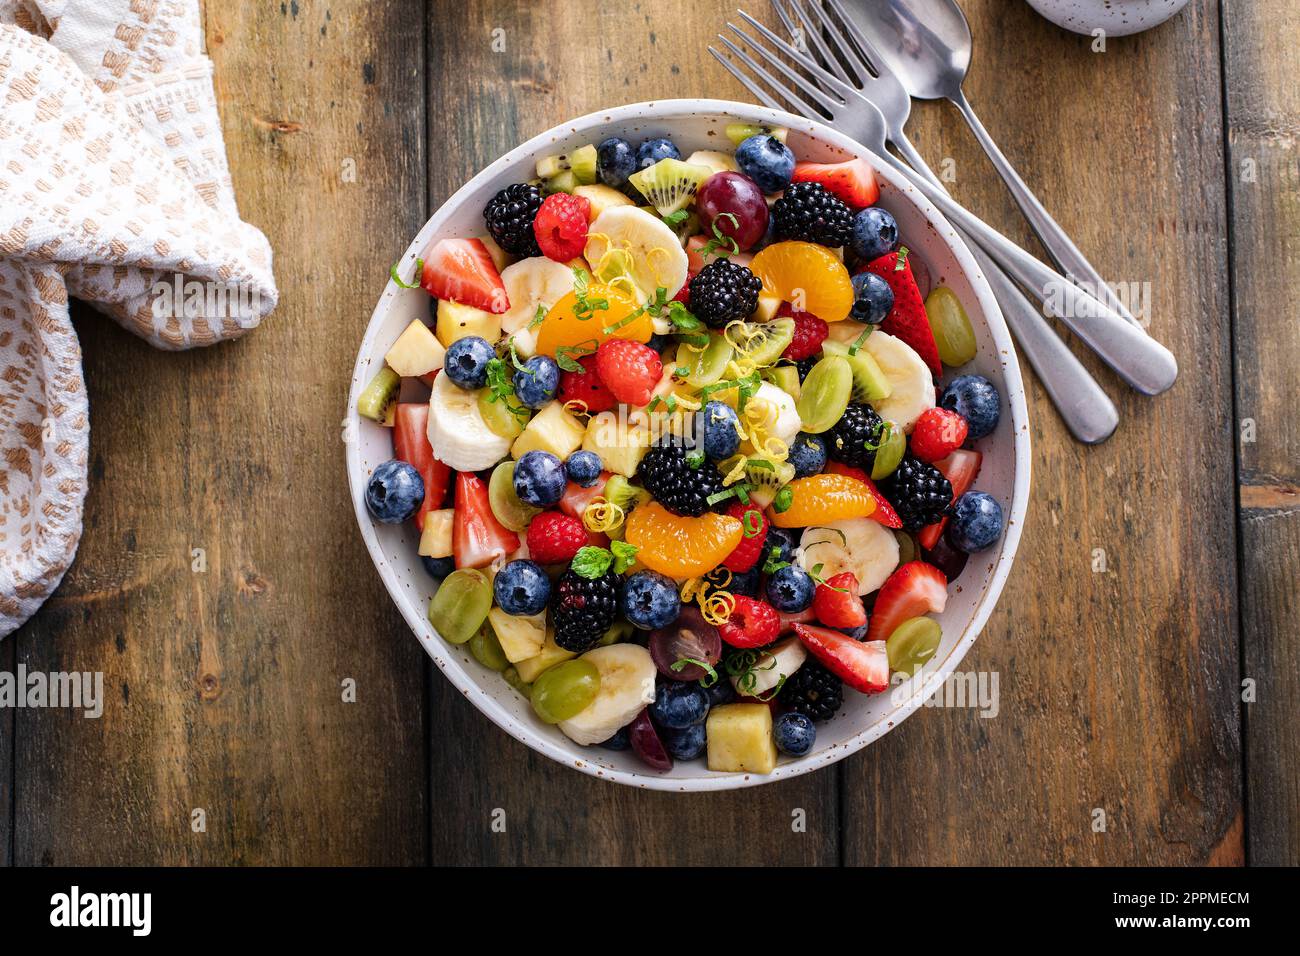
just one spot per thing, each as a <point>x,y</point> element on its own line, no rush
<point>1120,642</point>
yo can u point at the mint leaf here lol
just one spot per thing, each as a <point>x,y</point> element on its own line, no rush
<point>419,268</point>
<point>624,555</point>
<point>591,562</point>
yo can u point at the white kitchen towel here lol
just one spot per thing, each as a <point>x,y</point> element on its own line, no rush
<point>114,189</point>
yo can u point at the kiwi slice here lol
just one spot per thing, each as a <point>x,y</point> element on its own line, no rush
<point>378,400</point>
<point>581,162</point>
<point>869,382</point>
<point>826,392</point>
<point>670,184</point>
<point>765,478</point>
<point>565,182</point>
<point>706,365</point>
<point>763,342</point>
<point>739,132</point>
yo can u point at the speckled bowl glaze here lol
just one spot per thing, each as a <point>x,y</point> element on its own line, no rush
<point>1117,17</point>
<point>700,124</point>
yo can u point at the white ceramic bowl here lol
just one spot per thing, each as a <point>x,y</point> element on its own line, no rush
<point>699,124</point>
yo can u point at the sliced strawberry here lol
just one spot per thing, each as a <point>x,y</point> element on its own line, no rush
<point>907,319</point>
<point>853,181</point>
<point>576,498</point>
<point>746,554</point>
<point>863,666</point>
<point>884,513</point>
<point>462,270</point>
<point>477,538</point>
<point>789,620</point>
<point>914,589</point>
<point>836,602</point>
<point>411,445</point>
<point>960,468</point>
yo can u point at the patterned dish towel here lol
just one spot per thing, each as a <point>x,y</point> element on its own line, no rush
<point>114,190</point>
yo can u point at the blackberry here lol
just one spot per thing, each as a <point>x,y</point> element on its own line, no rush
<point>680,481</point>
<point>804,366</point>
<point>813,691</point>
<point>919,493</point>
<point>509,216</point>
<point>583,609</point>
<point>722,292</point>
<point>808,212</point>
<point>847,439</point>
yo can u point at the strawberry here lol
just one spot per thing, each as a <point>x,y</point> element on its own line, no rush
<point>697,258</point>
<point>863,666</point>
<point>576,498</point>
<point>789,620</point>
<point>913,589</point>
<point>746,554</point>
<point>586,387</point>
<point>960,468</point>
<point>836,602</point>
<point>937,434</point>
<point>554,538</point>
<point>751,624</point>
<point>477,538</point>
<point>630,370</point>
<point>907,319</point>
<point>561,226</point>
<point>809,333</point>
<point>462,270</point>
<point>411,445</point>
<point>884,513</point>
<point>853,181</point>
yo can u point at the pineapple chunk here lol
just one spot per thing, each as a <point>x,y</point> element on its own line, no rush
<point>717,161</point>
<point>456,321</point>
<point>766,310</point>
<point>524,341</point>
<point>435,540</point>
<point>416,352</point>
<point>846,332</point>
<point>601,198</point>
<point>553,429</point>
<point>520,637</point>
<point>740,739</point>
<point>551,654</point>
<point>500,258</point>
<point>620,444</point>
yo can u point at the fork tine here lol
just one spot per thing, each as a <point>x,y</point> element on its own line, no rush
<point>868,51</point>
<point>807,32</point>
<point>827,80</point>
<point>745,81</point>
<point>843,46</point>
<point>790,95</point>
<point>809,89</point>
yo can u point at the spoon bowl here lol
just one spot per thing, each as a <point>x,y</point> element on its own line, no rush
<point>925,43</point>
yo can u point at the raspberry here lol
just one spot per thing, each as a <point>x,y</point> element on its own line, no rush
<point>751,624</point>
<point>629,370</point>
<point>554,538</point>
<point>836,602</point>
<point>938,433</point>
<point>684,293</point>
<point>746,554</point>
<point>809,334</point>
<point>561,226</point>
<point>586,387</point>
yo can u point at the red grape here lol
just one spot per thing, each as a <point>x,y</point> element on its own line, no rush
<point>738,195</point>
<point>646,743</point>
<point>690,636</point>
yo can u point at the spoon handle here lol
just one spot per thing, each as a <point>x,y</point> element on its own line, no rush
<point>1067,256</point>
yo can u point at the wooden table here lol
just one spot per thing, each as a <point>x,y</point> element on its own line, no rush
<point>1171,158</point>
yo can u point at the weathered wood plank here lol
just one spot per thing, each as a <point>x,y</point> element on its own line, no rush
<point>1263,118</point>
<point>559,62</point>
<point>1117,687</point>
<point>225,686</point>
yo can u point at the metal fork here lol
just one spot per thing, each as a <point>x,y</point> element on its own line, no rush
<point>1144,363</point>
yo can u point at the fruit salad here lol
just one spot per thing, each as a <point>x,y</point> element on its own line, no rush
<point>697,457</point>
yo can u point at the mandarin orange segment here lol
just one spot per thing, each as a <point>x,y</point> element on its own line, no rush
<point>563,328</point>
<point>821,499</point>
<point>681,547</point>
<point>809,276</point>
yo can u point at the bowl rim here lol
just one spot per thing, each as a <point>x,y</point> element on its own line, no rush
<point>416,618</point>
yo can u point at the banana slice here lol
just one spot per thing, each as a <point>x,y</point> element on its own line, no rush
<point>909,378</point>
<point>774,664</point>
<point>865,547</point>
<point>654,256</point>
<point>627,684</point>
<point>531,284</point>
<point>457,432</point>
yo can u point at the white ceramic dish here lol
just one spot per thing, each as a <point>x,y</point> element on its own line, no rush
<point>699,124</point>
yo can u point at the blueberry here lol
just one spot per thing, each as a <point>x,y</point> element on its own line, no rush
<point>807,454</point>
<point>872,298</point>
<point>874,233</point>
<point>974,398</point>
<point>685,744</point>
<point>653,150</point>
<point>466,362</point>
<point>438,568</point>
<point>537,382</point>
<point>857,633</point>
<point>621,740</point>
<point>650,600</point>
<point>976,522</point>
<point>522,587</point>
<point>784,541</point>
<point>615,161</point>
<point>794,734</point>
<point>791,589</point>
<point>539,479</point>
<point>721,692</point>
<point>679,704</point>
<point>767,161</point>
<point>658,342</point>
<point>395,492</point>
<point>720,436</point>
<point>583,468</point>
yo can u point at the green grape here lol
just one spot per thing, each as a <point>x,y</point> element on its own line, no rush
<point>513,514</point>
<point>907,549</point>
<point>889,454</point>
<point>461,605</point>
<point>951,327</point>
<point>487,649</point>
<point>706,365</point>
<point>506,417</point>
<point>565,690</point>
<point>514,680</point>
<point>620,631</point>
<point>825,395</point>
<point>913,643</point>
